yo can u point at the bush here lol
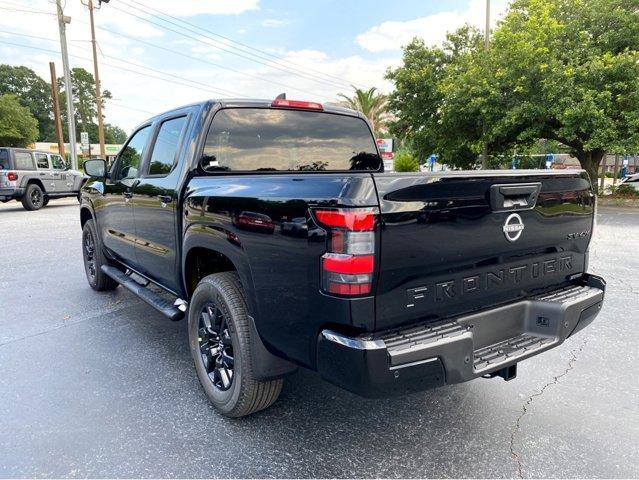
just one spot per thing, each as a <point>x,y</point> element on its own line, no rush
<point>624,190</point>
<point>405,162</point>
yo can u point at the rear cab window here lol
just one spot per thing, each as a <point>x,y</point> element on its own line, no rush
<point>263,139</point>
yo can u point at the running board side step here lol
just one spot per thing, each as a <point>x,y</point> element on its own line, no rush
<point>156,301</point>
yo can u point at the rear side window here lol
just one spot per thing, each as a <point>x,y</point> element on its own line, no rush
<point>262,139</point>
<point>166,146</point>
<point>23,161</point>
<point>4,159</point>
<point>42,159</point>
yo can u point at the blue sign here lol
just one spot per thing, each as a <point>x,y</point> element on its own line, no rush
<point>431,161</point>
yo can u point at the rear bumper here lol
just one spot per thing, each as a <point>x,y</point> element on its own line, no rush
<point>10,193</point>
<point>457,350</point>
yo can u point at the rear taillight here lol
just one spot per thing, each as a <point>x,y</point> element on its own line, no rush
<point>12,176</point>
<point>348,266</point>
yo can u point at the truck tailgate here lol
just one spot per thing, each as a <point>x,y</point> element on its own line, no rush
<point>456,242</point>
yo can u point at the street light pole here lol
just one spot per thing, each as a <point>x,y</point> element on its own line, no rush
<point>62,21</point>
<point>98,89</point>
<point>484,162</point>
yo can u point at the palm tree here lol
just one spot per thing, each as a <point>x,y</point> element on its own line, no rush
<point>372,104</point>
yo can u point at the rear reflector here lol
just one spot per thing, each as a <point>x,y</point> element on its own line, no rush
<point>349,264</point>
<point>281,102</point>
<point>12,176</point>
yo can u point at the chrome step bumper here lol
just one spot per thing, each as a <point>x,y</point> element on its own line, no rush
<point>481,343</point>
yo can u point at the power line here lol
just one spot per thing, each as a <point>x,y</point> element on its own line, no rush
<point>237,53</point>
<point>22,10</point>
<point>207,87</point>
<point>262,54</point>
<point>143,74</point>
<point>181,54</point>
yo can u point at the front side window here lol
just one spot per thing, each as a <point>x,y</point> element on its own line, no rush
<point>262,139</point>
<point>42,160</point>
<point>166,146</point>
<point>57,162</point>
<point>23,161</point>
<point>130,157</point>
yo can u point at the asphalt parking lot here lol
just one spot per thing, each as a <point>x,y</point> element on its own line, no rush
<point>100,385</point>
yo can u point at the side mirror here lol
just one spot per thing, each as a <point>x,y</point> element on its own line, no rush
<point>95,168</point>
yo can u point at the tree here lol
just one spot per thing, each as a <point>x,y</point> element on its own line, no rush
<point>562,70</point>
<point>34,93</point>
<point>418,97</point>
<point>114,134</point>
<point>371,104</point>
<point>18,127</point>
<point>84,100</point>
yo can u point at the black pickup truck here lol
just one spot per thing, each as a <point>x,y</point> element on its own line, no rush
<point>272,226</point>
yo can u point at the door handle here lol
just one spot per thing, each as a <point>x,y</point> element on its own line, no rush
<point>165,199</point>
<point>128,195</point>
<point>42,174</point>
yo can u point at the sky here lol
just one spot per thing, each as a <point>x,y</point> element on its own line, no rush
<point>158,54</point>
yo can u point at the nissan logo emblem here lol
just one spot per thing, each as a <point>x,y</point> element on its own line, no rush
<point>513,226</point>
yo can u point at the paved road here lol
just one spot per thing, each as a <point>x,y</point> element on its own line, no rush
<point>100,385</point>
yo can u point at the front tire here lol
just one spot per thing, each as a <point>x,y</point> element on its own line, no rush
<point>219,339</point>
<point>33,198</point>
<point>94,259</point>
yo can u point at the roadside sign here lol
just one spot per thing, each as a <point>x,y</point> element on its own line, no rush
<point>385,145</point>
<point>84,141</point>
<point>431,161</point>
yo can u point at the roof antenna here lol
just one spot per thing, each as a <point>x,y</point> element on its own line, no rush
<point>281,96</point>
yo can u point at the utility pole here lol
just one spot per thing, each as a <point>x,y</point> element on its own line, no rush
<point>62,21</point>
<point>484,162</point>
<point>98,89</point>
<point>56,109</point>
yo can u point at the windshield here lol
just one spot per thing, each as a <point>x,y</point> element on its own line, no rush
<point>264,139</point>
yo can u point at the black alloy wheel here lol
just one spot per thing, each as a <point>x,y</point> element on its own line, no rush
<point>88,244</point>
<point>36,198</point>
<point>216,346</point>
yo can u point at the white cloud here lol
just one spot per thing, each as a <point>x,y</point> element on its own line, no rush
<point>392,35</point>
<point>273,23</point>
<point>190,8</point>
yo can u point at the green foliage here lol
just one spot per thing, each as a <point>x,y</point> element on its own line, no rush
<point>18,127</point>
<point>84,102</point>
<point>372,104</point>
<point>623,190</point>
<point>114,134</point>
<point>405,162</point>
<point>34,93</point>
<point>562,70</point>
<point>419,97</point>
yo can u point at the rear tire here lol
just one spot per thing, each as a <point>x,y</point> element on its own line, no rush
<point>220,346</point>
<point>33,198</point>
<point>94,259</point>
